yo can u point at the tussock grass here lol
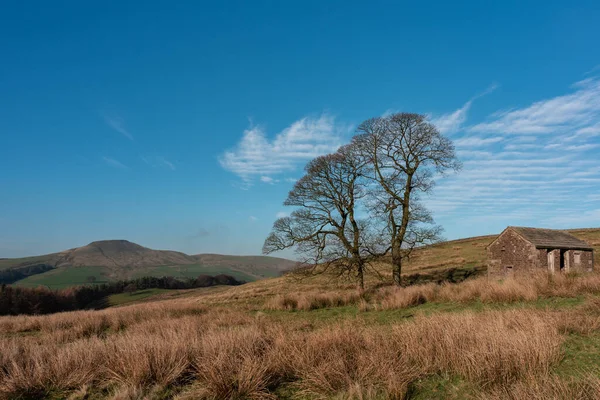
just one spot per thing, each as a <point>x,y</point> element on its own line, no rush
<point>490,349</point>
<point>184,349</point>
<point>527,288</point>
<point>223,358</point>
<point>548,388</point>
<point>312,301</point>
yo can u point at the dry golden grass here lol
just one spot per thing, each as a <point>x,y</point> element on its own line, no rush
<point>312,301</point>
<point>526,288</point>
<point>310,295</point>
<point>224,354</point>
<point>495,348</point>
<point>223,346</point>
<point>547,388</point>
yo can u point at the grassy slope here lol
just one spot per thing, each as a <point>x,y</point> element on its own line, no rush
<point>161,294</point>
<point>6,263</point>
<point>580,352</point>
<point>64,277</point>
<point>126,298</point>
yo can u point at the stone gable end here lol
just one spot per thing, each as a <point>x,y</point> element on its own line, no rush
<point>511,253</point>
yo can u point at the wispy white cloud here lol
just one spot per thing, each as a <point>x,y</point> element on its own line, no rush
<point>474,141</point>
<point>568,112</point>
<point>575,219</point>
<point>114,163</point>
<point>252,218</point>
<point>257,156</point>
<point>268,179</point>
<point>452,122</point>
<point>281,214</point>
<point>520,147</point>
<point>159,162</point>
<point>118,125</point>
<point>593,70</point>
<point>530,165</point>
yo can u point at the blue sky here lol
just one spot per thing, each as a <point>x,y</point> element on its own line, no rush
<point>182,125</point>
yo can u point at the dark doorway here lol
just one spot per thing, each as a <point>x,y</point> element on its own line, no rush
<point>562,260</point>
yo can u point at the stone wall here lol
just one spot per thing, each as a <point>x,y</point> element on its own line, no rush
<point>511,250</point>
<point>587,261</point>
<point>542,258</point>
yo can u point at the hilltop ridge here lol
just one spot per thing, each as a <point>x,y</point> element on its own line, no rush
<point>107,260</point>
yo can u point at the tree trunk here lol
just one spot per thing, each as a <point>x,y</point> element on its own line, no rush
<point>397,272</point>
<point>397,264</point>
<point>361,278</point>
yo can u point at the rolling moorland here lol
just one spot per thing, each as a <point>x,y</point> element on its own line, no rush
<point>110,260</point>
<point>319,338</point>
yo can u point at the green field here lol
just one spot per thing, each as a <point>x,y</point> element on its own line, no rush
<point>64,277</point>
<point>61,278</point>
<point>125,298</point>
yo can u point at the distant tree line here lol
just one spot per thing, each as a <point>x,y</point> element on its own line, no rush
<point>16,300</point>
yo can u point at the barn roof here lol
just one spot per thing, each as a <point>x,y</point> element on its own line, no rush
<point>551,239</point>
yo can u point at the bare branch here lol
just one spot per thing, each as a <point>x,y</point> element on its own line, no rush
<point>405,152</point>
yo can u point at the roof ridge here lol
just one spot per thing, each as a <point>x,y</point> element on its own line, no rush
<point>551,238</point>
<point>540,229</point>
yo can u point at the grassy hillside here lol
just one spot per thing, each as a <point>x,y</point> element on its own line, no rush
<point>6,263</point>
<point>319,338</point>
<point>282,338</point>
<point>119,259</point>
<point>64,277</point>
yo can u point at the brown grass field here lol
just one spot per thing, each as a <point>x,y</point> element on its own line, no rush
<point>532,338</point>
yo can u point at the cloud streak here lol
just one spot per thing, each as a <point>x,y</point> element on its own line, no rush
<point>533,165</point>
<point>114,163</point>
<point>258,156</point>
<point>118,125</point>
<point>452,122</point>
<point>565,113</point>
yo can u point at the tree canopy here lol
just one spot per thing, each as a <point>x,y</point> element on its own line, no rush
<point>365,200</point>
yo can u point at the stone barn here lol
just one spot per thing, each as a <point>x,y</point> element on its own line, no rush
<point>519,249</point>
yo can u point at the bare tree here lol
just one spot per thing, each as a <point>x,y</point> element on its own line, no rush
<point>404,151</point>
<point>325,229</point>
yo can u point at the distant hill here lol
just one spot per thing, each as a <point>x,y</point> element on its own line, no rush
<point>122,253</point>
<point>108,260</point>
